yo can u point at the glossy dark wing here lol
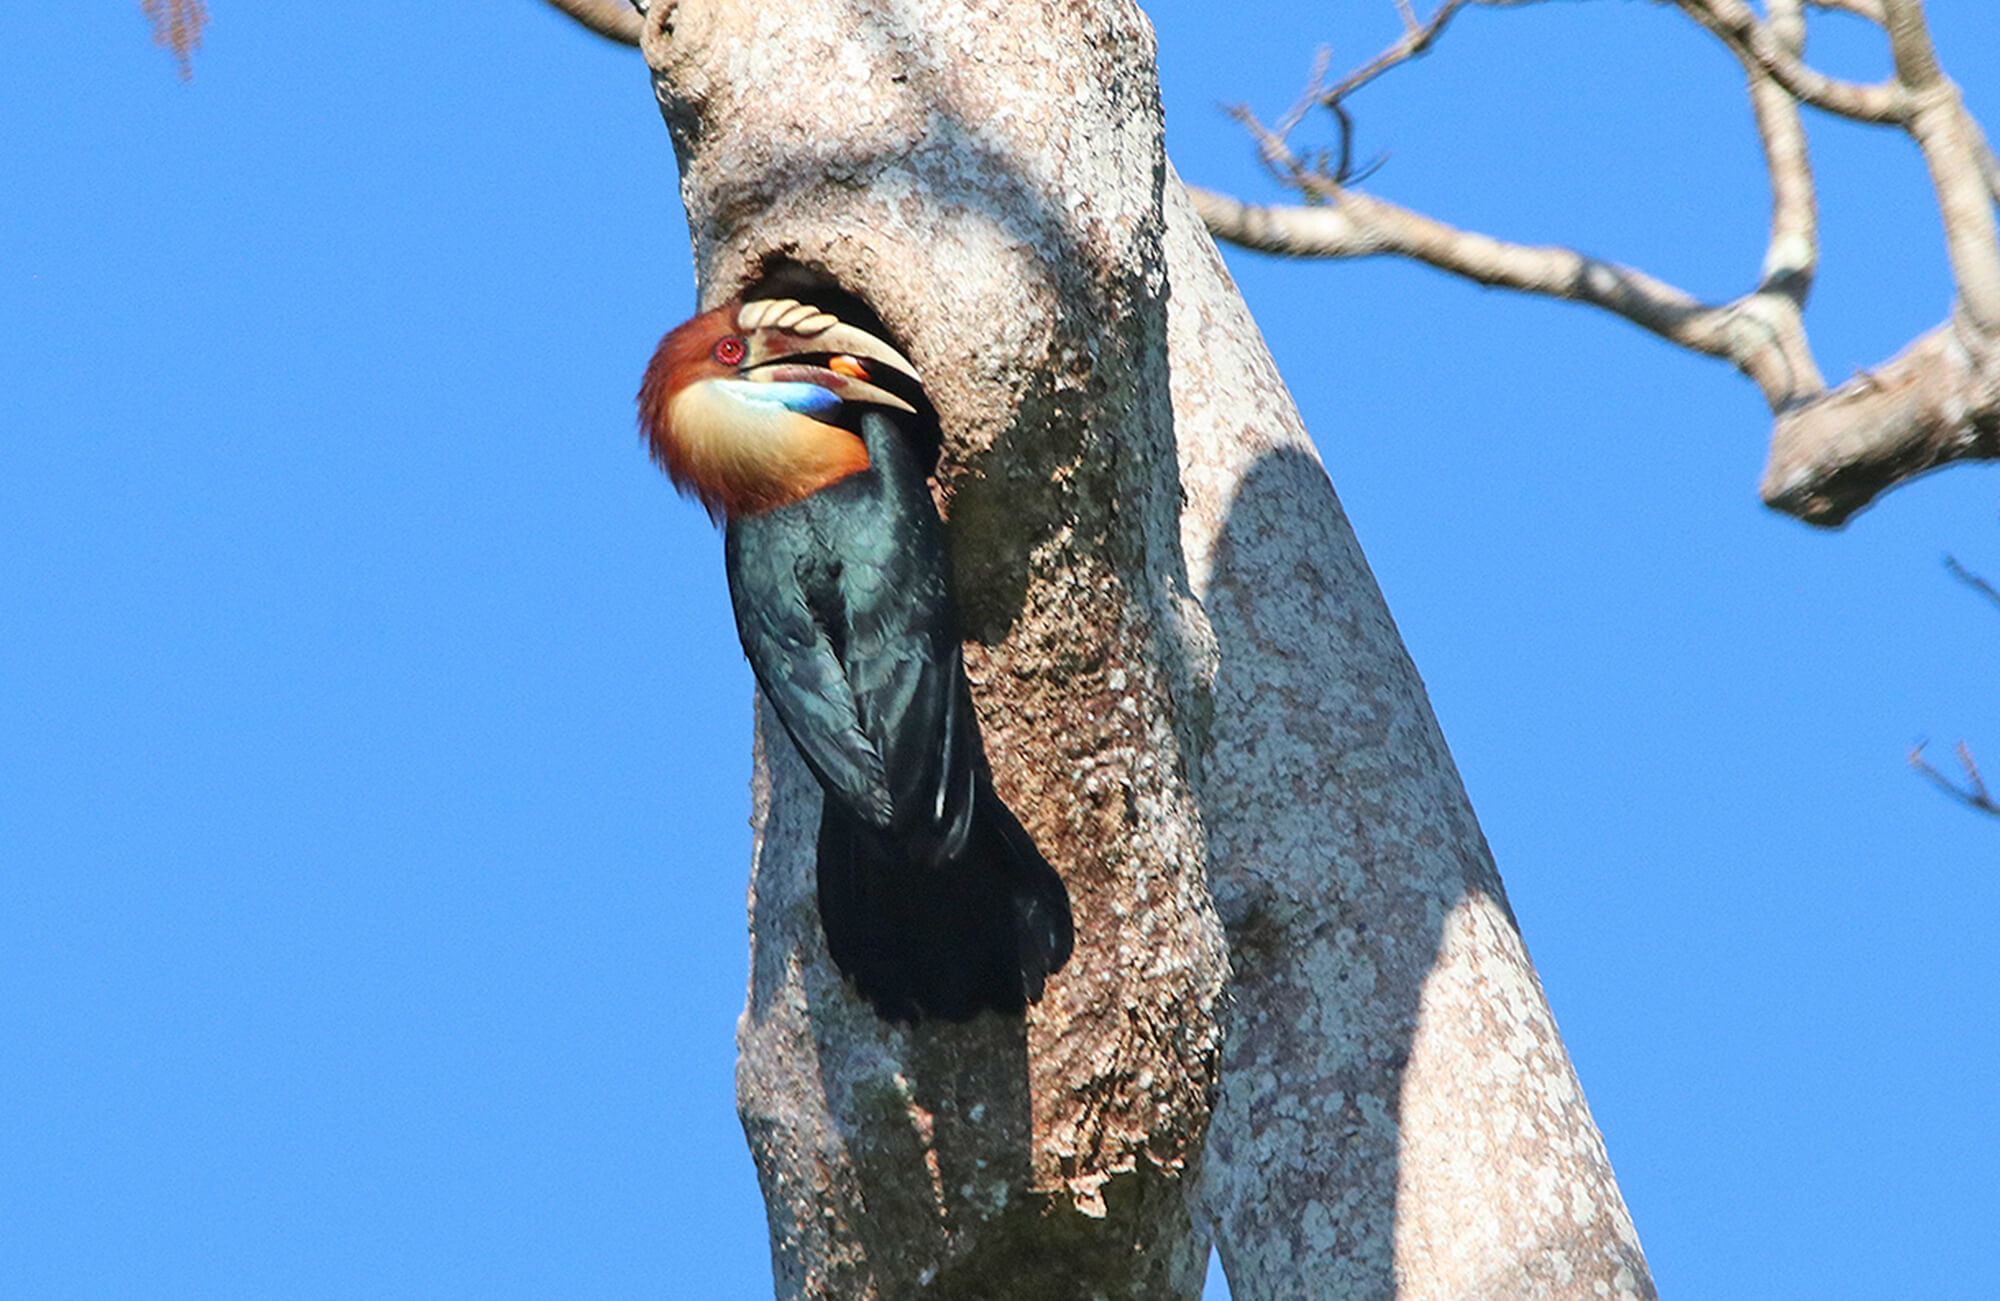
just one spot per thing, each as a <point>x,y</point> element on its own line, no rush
<point>902,654</point>
<point>793,659</point>
<point>934,900</point>
<point>844,604</point>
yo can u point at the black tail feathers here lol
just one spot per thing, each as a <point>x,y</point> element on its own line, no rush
<point>980,931</point>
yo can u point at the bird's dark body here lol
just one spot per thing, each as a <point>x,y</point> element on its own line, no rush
<point>934,899</point>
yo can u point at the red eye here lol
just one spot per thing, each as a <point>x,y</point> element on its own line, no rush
<point>730,351</point>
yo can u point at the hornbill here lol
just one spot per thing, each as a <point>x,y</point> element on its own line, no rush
<point>812,440</point>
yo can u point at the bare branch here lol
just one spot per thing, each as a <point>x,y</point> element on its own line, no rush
<point>1971,580</point>
<point>1910,43</point>
<point>1935,403</point>
<point>1868,9</point>
<point>1760,334</point>
<point>1955,151</point>
<point>1973,794</point>
<point>1832,452</point>
<point>1417,39</point>
<point>1791,256</point>
<point>614,20</point>
<point>1312,97</point>
<point>1738,26</point>
<point>1959,159</point>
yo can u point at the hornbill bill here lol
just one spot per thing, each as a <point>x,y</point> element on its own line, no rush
<point>811,438</point>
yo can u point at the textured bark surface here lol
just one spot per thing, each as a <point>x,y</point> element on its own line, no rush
<point>1936,402</point>
<point>989,177</point>
<point>1396,1115</point>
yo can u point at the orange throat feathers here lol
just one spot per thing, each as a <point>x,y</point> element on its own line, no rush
<point>720,444</point>
<point>743,457</point>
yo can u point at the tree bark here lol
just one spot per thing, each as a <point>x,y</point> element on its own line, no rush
<point>1398,1115</point>
<point>1193,695</point>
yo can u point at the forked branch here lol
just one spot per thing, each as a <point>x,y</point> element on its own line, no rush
<point>1970,790</point>
<point>1833,450</point>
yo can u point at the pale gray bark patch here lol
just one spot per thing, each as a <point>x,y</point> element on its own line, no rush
<point>1398,1116</point>
<point>989,177</point>
<point>1179,657</point>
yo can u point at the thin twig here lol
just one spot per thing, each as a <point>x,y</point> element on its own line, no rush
<point>1308,99</point>
<point>1417,38</point>
<point>1973,794</point>
<point>1971,580</point>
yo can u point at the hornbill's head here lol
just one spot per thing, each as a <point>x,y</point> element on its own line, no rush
<point>753,405</point>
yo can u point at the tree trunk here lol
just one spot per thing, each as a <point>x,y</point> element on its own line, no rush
<point>1194,697</point>
<point>1398,1116</point>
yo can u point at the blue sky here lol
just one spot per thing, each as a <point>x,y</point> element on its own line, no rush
<point>374,798</point>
